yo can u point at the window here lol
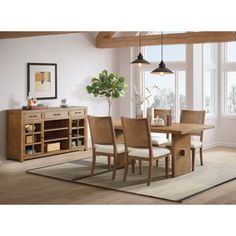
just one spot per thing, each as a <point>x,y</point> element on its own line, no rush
<point>168,92</point>
<point>153,53</point>
<point>209,78</point>
<point>182,89</point>
<point>209,91</point>
<point>230,85</point>
<point>230,52</point>
<point>229,73</point>
<point>208,53</point>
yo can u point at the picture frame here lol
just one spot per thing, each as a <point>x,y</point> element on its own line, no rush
<point>42,80</point>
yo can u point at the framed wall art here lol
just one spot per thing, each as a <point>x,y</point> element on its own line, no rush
<point>42,80</point>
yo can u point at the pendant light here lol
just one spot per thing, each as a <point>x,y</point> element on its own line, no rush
<point>162,70</point>
<point>140,60</point>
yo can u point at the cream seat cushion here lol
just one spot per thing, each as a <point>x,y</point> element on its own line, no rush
<point>144,152</point>
<point>109,148</point>
<point>194,144</point>
<point>158,139</point>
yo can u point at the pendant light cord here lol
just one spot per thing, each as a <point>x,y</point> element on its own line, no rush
<point>162,45</point>
<point>140,41</point>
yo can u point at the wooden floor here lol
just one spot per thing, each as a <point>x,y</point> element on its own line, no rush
<point>18,187</point>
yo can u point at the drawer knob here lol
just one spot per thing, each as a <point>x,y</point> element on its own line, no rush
<point>33,116</point>
<point>56,114</point>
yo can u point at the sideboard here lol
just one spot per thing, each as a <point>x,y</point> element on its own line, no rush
<point>39,133</point>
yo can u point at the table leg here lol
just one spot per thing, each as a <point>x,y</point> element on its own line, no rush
<point>180,150</point>
<point>119,136</point>
<point>121,160</point>
<point>120,139</point>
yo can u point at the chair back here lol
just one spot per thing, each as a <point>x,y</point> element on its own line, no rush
<point>136,132</point>
<point>162,113</point>
<point>101,129</point>
<point>193,117</point>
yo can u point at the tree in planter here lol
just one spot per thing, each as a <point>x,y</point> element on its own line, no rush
<point>110,86</point>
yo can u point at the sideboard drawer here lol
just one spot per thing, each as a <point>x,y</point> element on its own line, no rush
<point>32,116</point>
<point>77,113</point>
<point>56,114</point>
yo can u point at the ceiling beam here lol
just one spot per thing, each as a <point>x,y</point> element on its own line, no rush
<point>180,38</point>
<point>105,35</point>
<point>22,34</point>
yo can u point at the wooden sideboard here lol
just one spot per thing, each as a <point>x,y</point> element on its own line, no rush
<point>39,133</point>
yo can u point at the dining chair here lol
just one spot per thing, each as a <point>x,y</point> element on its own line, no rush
<point>138,146</point>
<point>104,142</point>
<point>161,113</point>
<point>194,117</point>
<point>157,139</point>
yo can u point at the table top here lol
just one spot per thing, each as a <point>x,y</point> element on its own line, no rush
<point>175,128</point>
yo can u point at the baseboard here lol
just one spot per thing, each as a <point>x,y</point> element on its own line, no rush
<point>219,144</point>
<point>209,146</point>
<point>222,144</point>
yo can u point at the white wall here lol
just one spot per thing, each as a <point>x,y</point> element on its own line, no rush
<point>124,68</point>
<point>77,60</point>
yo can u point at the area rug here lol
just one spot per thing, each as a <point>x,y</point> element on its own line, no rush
<point>218,169</point>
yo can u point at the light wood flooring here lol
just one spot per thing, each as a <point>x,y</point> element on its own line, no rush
<point>18,187</point>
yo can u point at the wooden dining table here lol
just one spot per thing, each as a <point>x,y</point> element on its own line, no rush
<point>180,144</point>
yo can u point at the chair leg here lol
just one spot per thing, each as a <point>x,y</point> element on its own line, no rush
<point>149,173</point>
<point>201,156</point>
<point>133,166</point>
<point>193,159</point>
<point>140,167</point>
<point>109,162</point>
<point>126,168</point>
<point>157,163</point>
<point>114,168</point>
<point>167,158</point>
<point>93,163</point>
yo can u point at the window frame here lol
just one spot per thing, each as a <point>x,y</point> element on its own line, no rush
<point>225,54</point>
<point>225,67</point>
<point>212,67</point>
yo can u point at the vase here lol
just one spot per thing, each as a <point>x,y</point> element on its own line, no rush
<point>139,111</point>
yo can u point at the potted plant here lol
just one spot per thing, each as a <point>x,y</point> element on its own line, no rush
<point>110,86</point>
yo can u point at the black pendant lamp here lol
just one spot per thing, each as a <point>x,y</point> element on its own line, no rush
<point>162,70</point>
<point>140,60</point>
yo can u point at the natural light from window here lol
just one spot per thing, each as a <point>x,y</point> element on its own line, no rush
<point>231,52</point>
<point>231,92</point>
<point>171,53</point>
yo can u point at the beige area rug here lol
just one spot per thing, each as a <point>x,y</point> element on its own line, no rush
<point>218,169</point>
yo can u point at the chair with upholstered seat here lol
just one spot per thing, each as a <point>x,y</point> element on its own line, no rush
<point>104,141</point>
<point>158,139</point>
<point>194,117</point>
<point>138,146</point>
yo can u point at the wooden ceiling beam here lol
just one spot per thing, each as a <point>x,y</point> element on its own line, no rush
<point>180,38</point>
<point>105,35</point>
<point>22,34</point>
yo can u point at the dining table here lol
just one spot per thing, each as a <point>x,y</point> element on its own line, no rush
<point>180,142</point>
